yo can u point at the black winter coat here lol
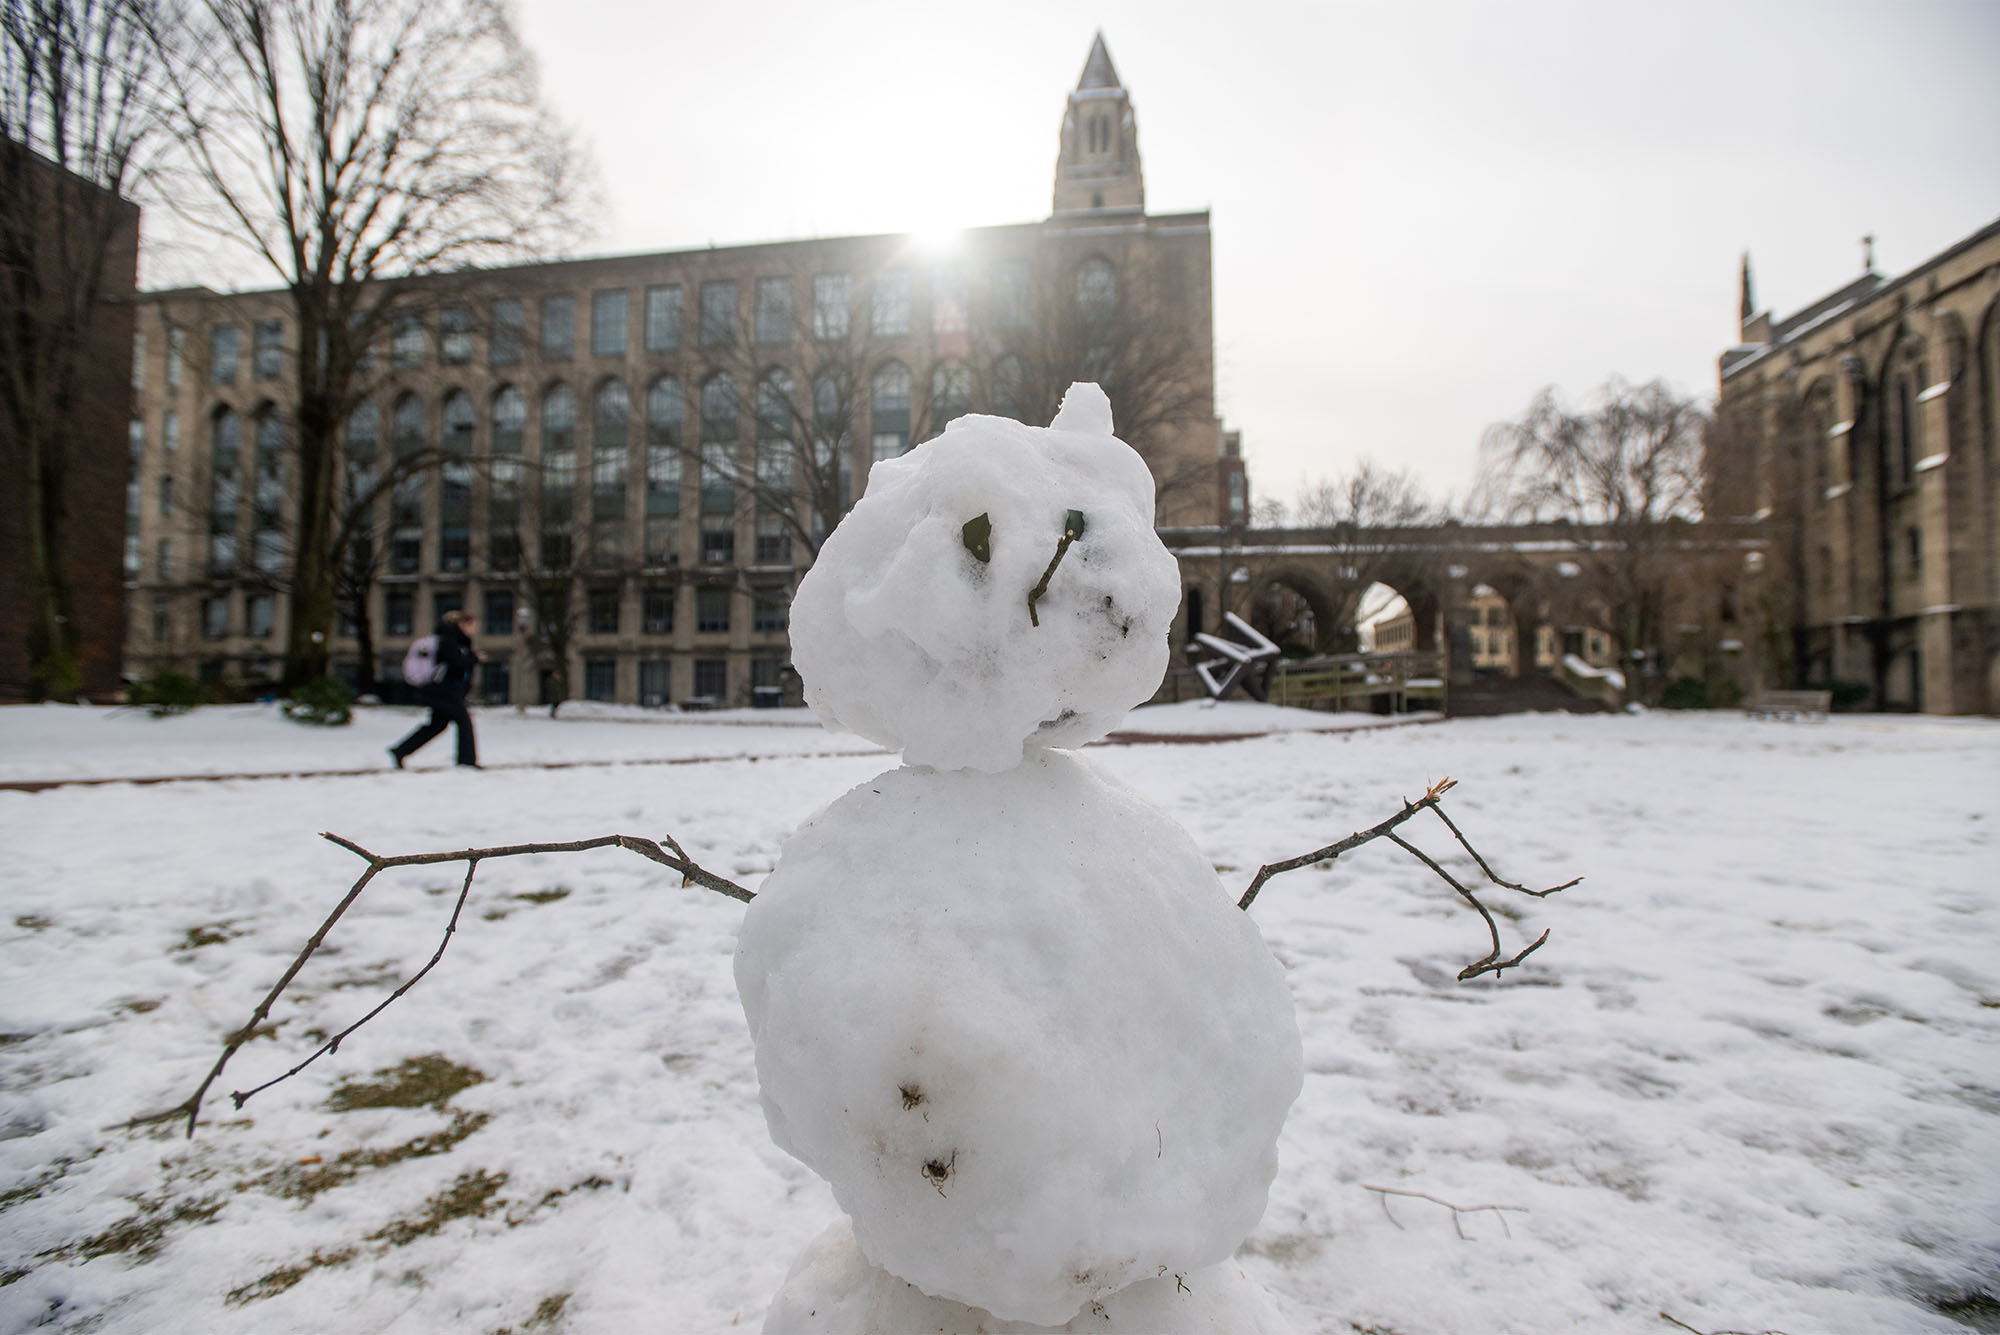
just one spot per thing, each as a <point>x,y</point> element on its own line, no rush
<point>455,655</point>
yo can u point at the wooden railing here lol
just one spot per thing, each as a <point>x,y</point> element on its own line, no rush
<point>1361,681</point>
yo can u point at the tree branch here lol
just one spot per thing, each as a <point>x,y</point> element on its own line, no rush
<point>1431,800</point>
<point>1499,1212</point>
<point>672,855</point>
<point>1697,1331</point>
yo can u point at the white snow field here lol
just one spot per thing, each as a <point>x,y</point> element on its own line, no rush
<point>1752,1081</point>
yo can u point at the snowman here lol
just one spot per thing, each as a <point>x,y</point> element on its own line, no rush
<point>999,1002</point>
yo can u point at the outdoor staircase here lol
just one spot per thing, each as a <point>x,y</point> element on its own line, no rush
<point>1518,695</point>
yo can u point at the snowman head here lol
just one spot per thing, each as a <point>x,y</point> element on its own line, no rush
<point>998,588</point>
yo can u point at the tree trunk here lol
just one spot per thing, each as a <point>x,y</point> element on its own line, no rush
<point>51,642</point>
<point>364,644</point>
<point>309,630</point>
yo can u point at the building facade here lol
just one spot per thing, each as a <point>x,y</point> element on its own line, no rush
<point>66,303</point>
<point>622,465</point>
<point>1860,433</point>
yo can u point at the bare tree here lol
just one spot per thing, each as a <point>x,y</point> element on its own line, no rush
<point>1627,465</point>
<point>79,115</point>
<point>348,145</point>
<point>786,429</point>
<point>1127,335</point>
<point>814,390</point>
<point>1358,515</point>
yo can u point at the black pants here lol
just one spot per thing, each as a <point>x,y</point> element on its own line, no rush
<point>447,708</point>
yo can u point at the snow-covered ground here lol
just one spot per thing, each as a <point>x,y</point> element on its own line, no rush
<point>1751,1082</point>
<point>55,743</point>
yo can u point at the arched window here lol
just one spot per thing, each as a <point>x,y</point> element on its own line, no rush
<point>718,408</point>
<point>1010,387</point>
<point>833,403</point>
<point>407,425</point>
<point>503,494</point>
<point>407,437</point>
<point>558,421</point>
<point>267,537</point>
<point>1096,291</point>
<point>1818,423</point>
<point>455,484</point>
<point>361,444</point>
<point>718,450</point>
<point>609,470</point>
<point>510,420</point>
<point>774,405</point>
<point>558,481</point>
<point>1907,430</point>
<point>664,411</point>
<point>225,488</point>
<point>951,395</point>
<point>775,480</point>
<point>458,423</point>
<point>832,482</point>
<point>609,420</point>
<point>889,411</point>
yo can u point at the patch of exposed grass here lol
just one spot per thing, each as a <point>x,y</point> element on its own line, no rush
<point>420,1082</point>
<point>302,1182</point>
<point>379,975</point>
<point>1975,1311</point>
<point>592,1183</point>
<point>32,1189</point>
<point>473,1196</point>
<point>284,1277</point>
<point>208,934</point>
<point>547,1312</point>
<point>549,896</point>
<point>141,1235</point>
<point>136,1008</point>
<point>256,1032</point>
<point>34,922</point>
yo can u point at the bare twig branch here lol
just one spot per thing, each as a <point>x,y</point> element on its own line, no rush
<point>1071,531</point>
<point>691,874</point>
<point>1499,1212</point>
<point>1431,800</point>
<point>1697,1331</point>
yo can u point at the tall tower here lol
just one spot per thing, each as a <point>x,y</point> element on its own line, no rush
<point>1097,171</point>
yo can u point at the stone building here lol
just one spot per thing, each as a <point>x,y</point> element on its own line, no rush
<point>1860,433</point>
<point>627,462</point>
<point>1493,635</point>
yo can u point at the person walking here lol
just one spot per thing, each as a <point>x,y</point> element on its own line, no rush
<point>445,695</point>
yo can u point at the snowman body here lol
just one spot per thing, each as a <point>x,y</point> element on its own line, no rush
<point>999,1002</point>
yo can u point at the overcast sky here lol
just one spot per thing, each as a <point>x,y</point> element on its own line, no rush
<point>1422,213</point>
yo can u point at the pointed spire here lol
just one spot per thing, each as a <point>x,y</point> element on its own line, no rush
<point>1097,71</point>
<point>1097,163</point>
<point>1749,307</point>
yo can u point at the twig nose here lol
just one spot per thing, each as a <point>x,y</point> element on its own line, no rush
<point>1072,530</point>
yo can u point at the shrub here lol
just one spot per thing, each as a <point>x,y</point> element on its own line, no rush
<point>1685,693</point>
<point>166,693</point>
<point>60,677</point>
<point>324,702</point>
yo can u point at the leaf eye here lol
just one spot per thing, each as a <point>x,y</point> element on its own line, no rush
<point>978,537</point>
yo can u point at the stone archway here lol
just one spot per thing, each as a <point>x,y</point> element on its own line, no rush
<point>1295,607</point>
